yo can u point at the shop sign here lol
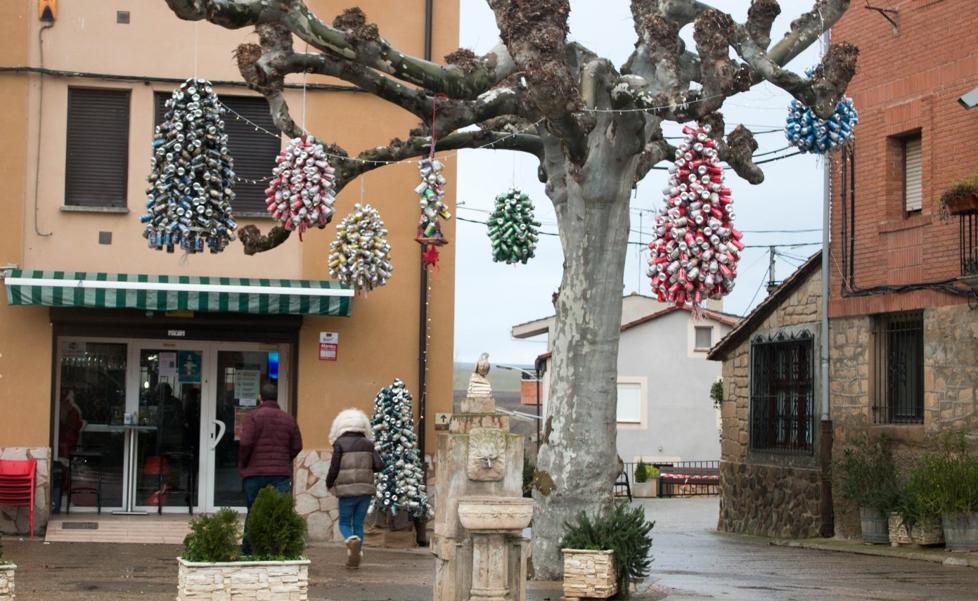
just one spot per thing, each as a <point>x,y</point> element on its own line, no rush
<point>329,343</point>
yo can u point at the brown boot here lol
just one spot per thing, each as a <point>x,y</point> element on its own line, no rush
<point>353,552</point>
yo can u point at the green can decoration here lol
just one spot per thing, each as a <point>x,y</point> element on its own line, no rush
<point>513,228</point>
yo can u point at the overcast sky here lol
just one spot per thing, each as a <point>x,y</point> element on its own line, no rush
<point>490,297</point>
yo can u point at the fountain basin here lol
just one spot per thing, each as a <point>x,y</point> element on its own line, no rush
<point>495,514</point>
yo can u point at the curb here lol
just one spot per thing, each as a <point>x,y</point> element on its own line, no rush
<point>944,558</point>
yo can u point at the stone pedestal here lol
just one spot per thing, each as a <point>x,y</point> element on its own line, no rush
<point>480,465</point>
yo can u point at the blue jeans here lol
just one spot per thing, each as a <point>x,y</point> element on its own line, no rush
<point>353,510</point>
<point>252,486</point>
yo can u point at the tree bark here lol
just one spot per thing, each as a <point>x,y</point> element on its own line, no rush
<point>577,465</point>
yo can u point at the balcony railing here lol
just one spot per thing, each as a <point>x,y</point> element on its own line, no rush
<point>969,243</point>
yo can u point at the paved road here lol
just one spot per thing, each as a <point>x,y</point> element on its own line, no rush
<point>694,563</point>
<point>691,564</point>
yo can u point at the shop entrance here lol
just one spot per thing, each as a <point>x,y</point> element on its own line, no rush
<point>154,425</point>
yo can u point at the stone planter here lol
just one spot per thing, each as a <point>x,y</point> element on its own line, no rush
<point>875,528</point>
<point>243,581</point>
<point>7,581</point>
<point>960,531</point>
<point>898,531</point>
<point>589,574</point>
<point>928,531</point>
<point>645,490</point>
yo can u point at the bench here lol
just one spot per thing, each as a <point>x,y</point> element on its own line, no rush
<point>690,478</point>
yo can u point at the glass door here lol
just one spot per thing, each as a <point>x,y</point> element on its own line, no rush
<point>167,439</point>
<point>242,371</point>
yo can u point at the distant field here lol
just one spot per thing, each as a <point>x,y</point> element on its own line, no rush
<point>502,380</point>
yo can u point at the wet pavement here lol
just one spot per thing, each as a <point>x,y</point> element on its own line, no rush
<point>692,563</point>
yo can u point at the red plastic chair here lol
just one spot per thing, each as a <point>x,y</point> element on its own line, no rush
<point>17,479</point>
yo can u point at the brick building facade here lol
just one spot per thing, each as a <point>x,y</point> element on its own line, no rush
<point>903,334</point>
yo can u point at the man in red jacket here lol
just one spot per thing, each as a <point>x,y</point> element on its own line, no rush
<point>270,440</point>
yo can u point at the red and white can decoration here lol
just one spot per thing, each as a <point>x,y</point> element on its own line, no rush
<point>695,247</point>
<point>302,190</point>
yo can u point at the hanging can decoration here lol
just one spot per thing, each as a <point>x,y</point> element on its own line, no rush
<point>513,228</point>
<point>809,133</point>
<point>302,190</point>
<point>191,177</point>
<point>360,255</point>
<point>431,192</point>
<point>695,248</point>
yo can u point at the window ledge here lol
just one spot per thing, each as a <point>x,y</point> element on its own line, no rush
<point>102,210</point>
<point>904,223</point>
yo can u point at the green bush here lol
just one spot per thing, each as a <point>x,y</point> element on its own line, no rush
<point>275,530</point>
<point>645,472</point>
<point>622,529</point>
<point>944,480</point>
<point>716,392</point>
<point>867,473</point>
<point>213,538</point>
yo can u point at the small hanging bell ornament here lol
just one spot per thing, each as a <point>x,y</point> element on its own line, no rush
<point>191,179</point>
<point>431,192</point>
<point>302,191</point>
<point>809,133</point>
<point>694,251</point>
<point>513,229</point>
<point>360,255</point>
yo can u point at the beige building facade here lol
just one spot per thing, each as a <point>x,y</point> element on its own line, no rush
<point>107,384</point>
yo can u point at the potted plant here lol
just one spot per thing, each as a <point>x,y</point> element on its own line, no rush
<point>7,569</point>
<point>212,567</point>
<point>605,554</point>
<point>946,481</point>
<point>646,481</point>
<point>961,197</point>
<point>867,475</point>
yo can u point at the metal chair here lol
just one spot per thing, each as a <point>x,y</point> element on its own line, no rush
<point>92,459</point>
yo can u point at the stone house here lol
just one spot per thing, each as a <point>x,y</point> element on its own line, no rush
<point>772,476</point>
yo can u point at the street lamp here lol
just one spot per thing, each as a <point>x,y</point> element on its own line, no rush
<point>537,377</point>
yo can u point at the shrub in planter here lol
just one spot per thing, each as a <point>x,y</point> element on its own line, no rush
<point>945,482</point>
<point>622,530</point>
<point>212,568</point>
<point>646,480</point>
<point>275,530</point>
<point>867,475</point>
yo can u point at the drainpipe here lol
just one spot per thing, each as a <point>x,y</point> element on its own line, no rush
<point>423,286</point>
<point>419,525</point>
<point>826,433</point>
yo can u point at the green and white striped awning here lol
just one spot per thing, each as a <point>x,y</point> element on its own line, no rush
<point>177,293</point>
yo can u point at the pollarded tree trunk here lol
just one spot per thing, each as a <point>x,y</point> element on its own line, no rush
<point>577,465</point>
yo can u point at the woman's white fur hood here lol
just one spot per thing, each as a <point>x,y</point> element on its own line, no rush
<point>350,420</point>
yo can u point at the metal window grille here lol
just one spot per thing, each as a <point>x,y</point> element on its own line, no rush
<point>782,394</point>
<point>969,243</point>
<point>899,369</point>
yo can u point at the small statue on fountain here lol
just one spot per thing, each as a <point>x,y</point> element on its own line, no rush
<point>479,386</point>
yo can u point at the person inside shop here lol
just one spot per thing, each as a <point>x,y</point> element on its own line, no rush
<point>70,427</point>
<point>351,476</point>
<point>270,440</point>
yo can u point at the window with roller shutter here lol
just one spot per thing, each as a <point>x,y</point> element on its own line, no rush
<point>253,151</point>
<point>912,175</point>
<point>97,142</point>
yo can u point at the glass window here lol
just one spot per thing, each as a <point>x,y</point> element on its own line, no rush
<point>704,337</point>
<point>782,391</point>
<point>629,402</point>
<point>97,156</point>
<point>899,369</point>
<point>90,405</point>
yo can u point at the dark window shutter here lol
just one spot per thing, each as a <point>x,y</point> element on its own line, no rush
<point>97,161</point>
<point>253,151</point>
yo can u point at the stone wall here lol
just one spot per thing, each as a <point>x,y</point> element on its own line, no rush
<point>770,500</point>
<point>313,502</point>
<point>243,581</point>
<point>950,389</point>
<point>15,520</point>
<point>7,582</point>
<point>764,493</point>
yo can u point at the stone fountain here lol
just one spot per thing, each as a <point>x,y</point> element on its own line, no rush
<point>480,552</point>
